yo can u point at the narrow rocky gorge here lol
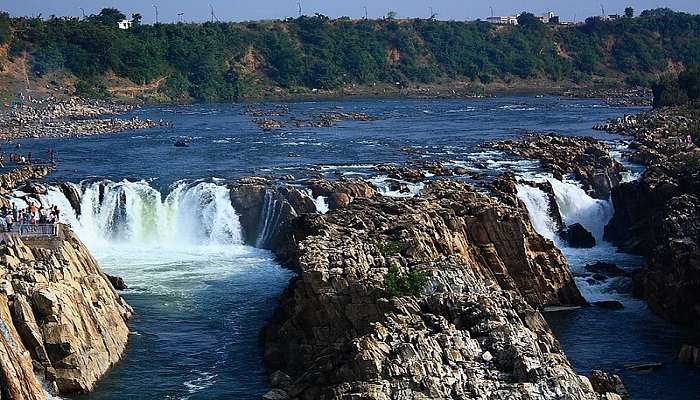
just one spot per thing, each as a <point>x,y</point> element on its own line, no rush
<point>429,297</point>
<point>658,215</point>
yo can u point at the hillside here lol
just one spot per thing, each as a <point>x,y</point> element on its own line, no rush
<point>233,61</point>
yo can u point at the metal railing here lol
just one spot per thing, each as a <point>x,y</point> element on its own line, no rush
<point>31,229</point>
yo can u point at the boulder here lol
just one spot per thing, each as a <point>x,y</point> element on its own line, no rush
<point>117,282</point>
<point>438,289</point>
<point>607,269</point>
<point>338,200</point>
<point>73,195</point>
<point>604,383</point>
<point>577,236</point>
<point>70,320</point>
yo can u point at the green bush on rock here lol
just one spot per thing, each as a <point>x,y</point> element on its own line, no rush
<point>411,283</point>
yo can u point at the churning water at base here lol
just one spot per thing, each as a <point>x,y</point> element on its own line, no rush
<point>200,296</point>
<point>595,338</point>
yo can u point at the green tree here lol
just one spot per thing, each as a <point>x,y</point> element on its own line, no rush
<point>110,17</point>
<point>689,81</point>
<point>667,92</point>
<point>5,31</point>
<point>629,12</point>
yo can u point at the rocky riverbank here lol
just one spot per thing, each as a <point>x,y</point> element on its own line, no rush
<point>65,118</point>
<point>429,297</point>
<point>659,215</point>
<point>63,324</point>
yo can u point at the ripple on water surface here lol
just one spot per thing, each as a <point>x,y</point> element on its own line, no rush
<point>198,313</point>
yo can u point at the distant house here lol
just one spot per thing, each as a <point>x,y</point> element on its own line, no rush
<point>509,20</point>
<point>548,18</point>
<point>125,24</point>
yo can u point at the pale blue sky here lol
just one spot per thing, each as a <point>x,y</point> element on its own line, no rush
<point>265,9</point>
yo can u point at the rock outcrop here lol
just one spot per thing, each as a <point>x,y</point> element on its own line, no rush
<point>265,209</point>
<point>469,328</point>
<point>12,179</point>
<point>659,215</point>
<point>578,237</point>
<point>62,322</point>
<point>587,159</point>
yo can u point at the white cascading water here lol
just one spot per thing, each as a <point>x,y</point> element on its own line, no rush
<point>321,202</point>
<point>269,219</point>
<point>134,212</point>
<point>576,206</point>
<point>383,187</point>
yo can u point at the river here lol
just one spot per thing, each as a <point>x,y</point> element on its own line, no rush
<point>200,295</point>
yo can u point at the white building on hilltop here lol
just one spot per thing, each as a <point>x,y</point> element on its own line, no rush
<point>509,20</point>
<point>125,24</point>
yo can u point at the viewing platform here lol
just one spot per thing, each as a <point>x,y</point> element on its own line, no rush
<point>30,230</point>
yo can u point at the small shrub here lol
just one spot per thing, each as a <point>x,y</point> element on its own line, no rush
<point>390,248</point>
<point>398,284</point>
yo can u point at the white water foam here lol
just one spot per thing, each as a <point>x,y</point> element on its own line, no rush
<point>383,187</point>
<point>136,213</point>
<point>321,202</point>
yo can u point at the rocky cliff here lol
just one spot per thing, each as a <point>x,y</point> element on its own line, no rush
<point>62,323</point>
<point>659,215</point>
<point>427,298</point>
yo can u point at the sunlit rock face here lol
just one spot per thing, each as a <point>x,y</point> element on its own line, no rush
<point>60,316</point>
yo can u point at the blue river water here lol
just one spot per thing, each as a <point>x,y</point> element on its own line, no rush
<point>201,302</point>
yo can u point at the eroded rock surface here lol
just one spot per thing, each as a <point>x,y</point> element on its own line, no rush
<point>471,330</point>
<point>59,317</point>
<point>658,215</point>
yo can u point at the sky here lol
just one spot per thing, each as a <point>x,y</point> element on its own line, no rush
<point>246,10</point>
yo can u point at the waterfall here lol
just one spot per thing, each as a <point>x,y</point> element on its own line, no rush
<point>197,213</point>
<point>575,206</point>
<point>538,209</point>
<point>269,219</point>
<point>321,202</point>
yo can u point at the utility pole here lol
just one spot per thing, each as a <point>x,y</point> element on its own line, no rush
<point>365,7</point>
<point>491,8</point>
<point>213,16</point>
<point>602,10</point>
<point>156,8</point>
<point>299,4</point>
<point>180,15</point>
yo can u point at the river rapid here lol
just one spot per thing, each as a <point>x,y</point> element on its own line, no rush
<point>160,216</point>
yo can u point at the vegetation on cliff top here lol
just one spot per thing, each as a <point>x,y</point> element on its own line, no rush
<point>228,61</point>
<point>681,89</point>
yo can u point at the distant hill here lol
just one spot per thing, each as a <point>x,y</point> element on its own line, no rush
<point>232,61</point>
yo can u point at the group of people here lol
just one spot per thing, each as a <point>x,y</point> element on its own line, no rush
<point>33,214</point>
<point>21,159</point>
